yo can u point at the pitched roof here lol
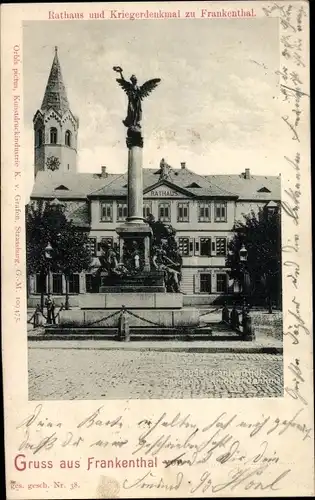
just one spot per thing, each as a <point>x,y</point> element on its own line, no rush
<point>78,185</point>
<point>83,185</point>
<point>182,178</point>
<point>250,188</point>
<point>55,94</point>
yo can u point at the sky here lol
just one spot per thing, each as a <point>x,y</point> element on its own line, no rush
<point>217,107</point>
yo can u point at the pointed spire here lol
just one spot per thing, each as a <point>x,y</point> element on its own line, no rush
<point>55,94</point>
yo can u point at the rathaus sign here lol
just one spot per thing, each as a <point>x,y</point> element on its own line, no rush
<point>163,193</point>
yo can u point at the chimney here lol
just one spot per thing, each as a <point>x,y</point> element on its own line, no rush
<point>247,173</point>
<point>103,174</point>
<point>182,164</point>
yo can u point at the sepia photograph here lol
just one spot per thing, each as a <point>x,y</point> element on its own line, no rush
<point>153,210</point>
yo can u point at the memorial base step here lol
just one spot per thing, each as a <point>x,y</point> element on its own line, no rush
<point>136,334</point>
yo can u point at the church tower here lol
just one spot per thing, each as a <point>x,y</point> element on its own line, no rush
<point>55,127</point>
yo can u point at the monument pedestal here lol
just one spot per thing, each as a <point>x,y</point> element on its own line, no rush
<point>152,281</point>
<point>148,319</point>
<point>135,233</point>
<point>133,296</point>
<point>135,300</point>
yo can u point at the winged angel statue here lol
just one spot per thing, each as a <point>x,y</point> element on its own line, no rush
<point>135,96</point>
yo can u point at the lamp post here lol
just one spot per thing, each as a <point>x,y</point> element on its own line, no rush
<point>248,333</point>
<point>243,254</point>
<point>48,256</point>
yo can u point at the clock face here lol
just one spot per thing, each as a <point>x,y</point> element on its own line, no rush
<point>53,163</point>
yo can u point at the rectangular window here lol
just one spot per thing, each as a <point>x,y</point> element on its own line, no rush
<point>74,283</point>
<point>182,212</point>
<point>220,246</point>
<point>204,214</point>
<point>205,246</point>
<point>205,283</point>
<point>147,209</point>
<point>121,211</point>
<point>183,246</point>
<point>57,284</point>
<point>197,246</point>
<point>221,283</point>
<point>92,246</point>
<point>220,211</point>
<point>106,211</point>
<point>165,212</point>
<point>41,284</point>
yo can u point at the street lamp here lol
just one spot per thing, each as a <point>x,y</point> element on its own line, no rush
<point>243,254</point>
<point>48,256</point>
<point>246,320</point>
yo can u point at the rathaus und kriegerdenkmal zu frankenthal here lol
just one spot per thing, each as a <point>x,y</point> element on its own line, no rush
<point>201,208</point>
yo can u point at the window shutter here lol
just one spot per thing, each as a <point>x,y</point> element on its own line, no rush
<point>210,246</point>
<point>213,252</point>
<point>197,246</point>
<point>196,283</point>
<point>191,246</point>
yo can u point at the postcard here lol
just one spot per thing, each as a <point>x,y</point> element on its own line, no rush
<point>156,250</point>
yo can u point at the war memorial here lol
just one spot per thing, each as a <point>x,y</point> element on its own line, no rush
<point>158,240</point>
<point>135,289</point>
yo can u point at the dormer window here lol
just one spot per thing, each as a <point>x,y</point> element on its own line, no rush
<point>263,190</point>
<point>68,138</point>
<point>61,188</point>
<point>39,137</point>
<point>193,185</point>
<point>53,135</point>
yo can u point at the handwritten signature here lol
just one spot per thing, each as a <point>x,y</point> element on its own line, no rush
<point>250,478</point>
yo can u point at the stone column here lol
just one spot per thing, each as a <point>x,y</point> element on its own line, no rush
<point>135,189</point>
<point>135,228</point>
<point>135,185</point>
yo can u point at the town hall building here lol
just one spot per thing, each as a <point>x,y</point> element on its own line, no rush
<point>202,208</point>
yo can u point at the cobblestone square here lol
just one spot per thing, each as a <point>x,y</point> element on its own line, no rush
<point>79,373</point>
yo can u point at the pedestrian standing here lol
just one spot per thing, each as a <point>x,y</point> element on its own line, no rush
<point>50,305</point>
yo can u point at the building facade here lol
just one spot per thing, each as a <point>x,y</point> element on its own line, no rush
<point>202,209</point>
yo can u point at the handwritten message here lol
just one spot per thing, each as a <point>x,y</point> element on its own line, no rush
<point>291,87</point>
<point>224,441</point>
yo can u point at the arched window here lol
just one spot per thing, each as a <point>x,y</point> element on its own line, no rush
<point>53,135</point>
<point>39,137</point>
<point>68,138</point>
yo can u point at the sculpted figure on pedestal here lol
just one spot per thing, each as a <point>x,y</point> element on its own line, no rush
<point>135,95</point>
